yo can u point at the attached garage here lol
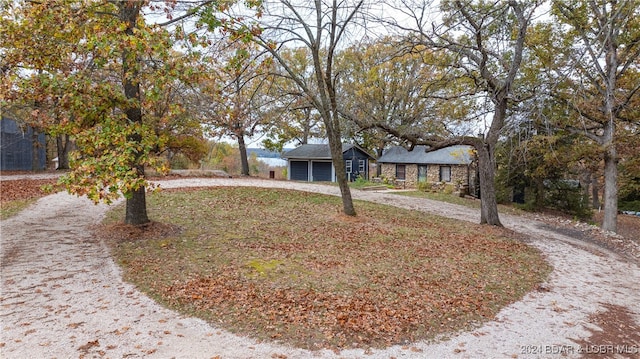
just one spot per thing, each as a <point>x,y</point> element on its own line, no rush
<point>321,171</point>
<point>299,170</point>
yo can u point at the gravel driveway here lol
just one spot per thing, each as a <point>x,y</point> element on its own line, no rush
<point>63,297</point>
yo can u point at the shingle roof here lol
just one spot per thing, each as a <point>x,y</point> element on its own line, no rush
<point>314,151</point>
<point>454,155</point>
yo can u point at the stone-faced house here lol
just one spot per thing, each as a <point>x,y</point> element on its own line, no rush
<point>453,165</point>
<point>312,162</point>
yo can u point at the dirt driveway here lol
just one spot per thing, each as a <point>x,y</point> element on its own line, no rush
<point>63,297</point>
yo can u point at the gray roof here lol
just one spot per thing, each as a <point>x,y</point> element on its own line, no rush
<point>316,151</point>
<point>454,155</point>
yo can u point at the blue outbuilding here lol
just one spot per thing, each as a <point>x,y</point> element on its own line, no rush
<point>17,145</point>
<point>312,162</point>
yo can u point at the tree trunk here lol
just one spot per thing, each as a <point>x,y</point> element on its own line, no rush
<point>341,175</point>
<point>136,211</point>
<point>539,200</point>
<point>306,133</point>
<point>335,147</point>
<point>242,146</point>
<point>610,222</point>
<point>35,151</point>
<point>610,189</point>
<point>595,192</point>
<point>379,152</point>
<point>63,146</point>
<point>136,206</point>
<point>487,161</point>
<point>488,201</point>
<point>334,135</point>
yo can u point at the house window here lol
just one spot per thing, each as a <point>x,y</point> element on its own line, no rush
<point>400,172</point>
<point>361,166</point>
<point>349,166</point>
<point>422,173</point>
<point>445,173</point>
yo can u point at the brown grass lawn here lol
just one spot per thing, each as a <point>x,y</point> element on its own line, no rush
<point>287,266</point>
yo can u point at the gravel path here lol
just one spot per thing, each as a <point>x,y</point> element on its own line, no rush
<point>63,297</point>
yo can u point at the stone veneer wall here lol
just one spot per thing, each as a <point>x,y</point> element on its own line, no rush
<point>411,173</point>
<point>458,173</point>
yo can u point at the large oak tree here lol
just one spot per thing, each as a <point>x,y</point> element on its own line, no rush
<point>109,97</point>
<point>384,94</point>
<point>234,93</point>
<point>595,61</point>
<point>483,43</point>
<point>322,27</point>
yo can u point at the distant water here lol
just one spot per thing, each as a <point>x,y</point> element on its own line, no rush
<point>273,161</point>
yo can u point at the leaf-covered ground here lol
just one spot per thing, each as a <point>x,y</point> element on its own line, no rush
<point>23,189</point>
<point>15,195</point>
<point>287,266</point>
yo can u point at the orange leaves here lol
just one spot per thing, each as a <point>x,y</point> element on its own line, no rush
<point>86,347</point>
<point>278,264</point>
<point>365,318</point>
<point>23,189</point>
<point>75,325</point>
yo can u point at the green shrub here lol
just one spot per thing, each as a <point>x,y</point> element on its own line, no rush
<point>361,181</point>
<point>388,181</point>
<point>504,194</point>
<point>629,206</point>
<point>569,198</point>
<point>424,186</point>
<point>179,162</point>
<point>448,188</point>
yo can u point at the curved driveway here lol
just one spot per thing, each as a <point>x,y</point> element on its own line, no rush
<point>63,297</point>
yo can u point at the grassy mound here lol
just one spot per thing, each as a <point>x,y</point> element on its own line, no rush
<point>287,266</point>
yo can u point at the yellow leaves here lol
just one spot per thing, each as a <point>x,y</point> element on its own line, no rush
<point>104,167</point>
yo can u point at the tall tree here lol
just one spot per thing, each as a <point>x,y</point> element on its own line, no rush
<point>174,112</point>
<point>598,72</point>
<point>292,115</point>
<point>109,97</point>
<point>322,27</point>
<point>32,60</point>
<point>384,93</point>
<point>483,43</point>
<point>234,94</point>
<point>129,14</point>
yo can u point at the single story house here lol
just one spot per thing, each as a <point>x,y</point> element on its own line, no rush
<point>312,162</point>
<point>455,164</point>
<point>17,146</point>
